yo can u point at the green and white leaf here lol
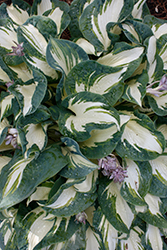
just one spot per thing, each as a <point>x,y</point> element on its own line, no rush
<point>36,225</point>
<point>63,55</point>
<point>87,46</point>
<point>30,95</point>
<point>97,15</point>
<point>41,192</point>
<point>93,77</point>
<point>92,239</point>
<point>22,71</point>
<point>153,237</point>
<point>35,49</point>
<point>137,184</point>
<point>155,64</point>
<point>66,233</point>
<point>6,105</point>
<point>158,104</point>
<point>163,129</point>
<point>109,233</point>
<point>101,142</point>
<point>135,89</point>
<point>133,144</point>
<point>151,213</point>
<point>134,240</point>
<point>136,31</point>
<point>18,15</point>
<point>4,160</point>
<point>55,10</point>
<point>114,207</point>
<point>75,14</point>
<point>89,184</point>
<point>20,174</point>
<point>137,11</point>
<point>8,36</point>
<point>79,165</point>
<point>159,180</point>
<point>123,55</point>
<point>86,112</point>
<point>67,201</point>
<point>4,125</point>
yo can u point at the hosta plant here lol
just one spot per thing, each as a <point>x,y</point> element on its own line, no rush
<point>83,126</point>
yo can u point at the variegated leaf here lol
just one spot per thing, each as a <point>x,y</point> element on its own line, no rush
<point>87,46</point>
<point>123,55</point>
<point>151,213</point>
<point>155,65</point>
<point>138,9</point>
<point>73,235</point>
<point>159,182</point>
<point>97,15</point>
<point>75,14</point>
<point>114,207</point>
<point>163,129</point>
<point>63,55</point>
<point>134,241</point>
<point>4,160</point>
<point>158,103</point>
<point>30,94</point>
<point>35,49</point>
<point>55,10</point>
<point>67,201</point>
<point>92,239</point>
<point>137,184</point>
<point>4,125</point>
<point>153,237</point>
<point>133,143</point>
<point>135,89</point>
<point>136,31</point>
<point>109,233</point>
<point>19,174</point>
<point>18,15</point>
<point>41,192</point>
<point>101,142</point>
<point>89,184</point>
<point>96,78</point>
<point>79,165</point>
<point>6,105</point>
<point>86,112</point>
<point>8,38</point>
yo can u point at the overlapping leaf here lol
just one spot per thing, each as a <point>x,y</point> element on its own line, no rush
<point>137,184</point>
<point>97,15</point>
<point>114,207</point>
<point>20,174</point>
<point>123,55</point>
<point>35,49</point>
<point>133,142</point>
<point>67,200</point>
<point>93,77</point>
<point>79,165</point>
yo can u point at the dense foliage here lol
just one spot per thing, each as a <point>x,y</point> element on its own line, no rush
<point>83,127</point>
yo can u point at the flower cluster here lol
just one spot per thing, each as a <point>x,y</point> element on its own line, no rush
<point>112,169</point>
<point>11,138</point>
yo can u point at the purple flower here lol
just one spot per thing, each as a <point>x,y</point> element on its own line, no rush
<point>81,217</point>
<point>160,89</point>
<point>111,168</point>
<point>17,50</point>
<point>11,138</point>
